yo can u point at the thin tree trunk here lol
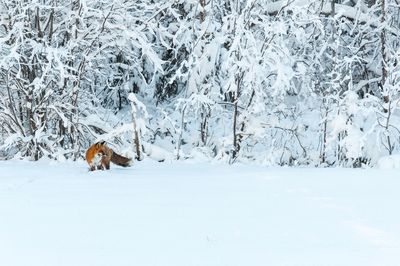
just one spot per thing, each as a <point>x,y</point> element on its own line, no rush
<point>384,55</point>
<point>202,11</point>
<point>236,144</point>
<point>204,125</point>
<point>136,139</point>
<point>178,148</point>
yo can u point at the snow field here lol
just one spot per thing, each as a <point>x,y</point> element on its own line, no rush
<point>184,214</point>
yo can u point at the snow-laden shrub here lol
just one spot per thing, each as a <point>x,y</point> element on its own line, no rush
<point>272,82</point>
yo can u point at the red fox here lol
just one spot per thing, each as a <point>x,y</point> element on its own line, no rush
<point>99,156</point>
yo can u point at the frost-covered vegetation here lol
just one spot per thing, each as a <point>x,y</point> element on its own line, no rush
<point>290,82</point>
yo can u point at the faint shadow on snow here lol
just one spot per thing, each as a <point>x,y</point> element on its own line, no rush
<point>375,236</point>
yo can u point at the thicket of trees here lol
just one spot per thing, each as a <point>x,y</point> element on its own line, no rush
<point>287,82</point>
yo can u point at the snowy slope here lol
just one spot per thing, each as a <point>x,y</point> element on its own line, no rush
<point>182,214</point>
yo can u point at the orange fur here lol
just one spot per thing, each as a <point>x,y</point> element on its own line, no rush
<point>99,156</point>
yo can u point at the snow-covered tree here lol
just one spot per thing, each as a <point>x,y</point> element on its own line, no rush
<point>272,81</point>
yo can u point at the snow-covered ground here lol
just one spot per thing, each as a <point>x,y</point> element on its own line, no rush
<point>184,214</point>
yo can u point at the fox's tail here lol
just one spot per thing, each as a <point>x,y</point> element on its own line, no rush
<point>121,160</point>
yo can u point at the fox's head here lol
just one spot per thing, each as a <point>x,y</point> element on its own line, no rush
<point>101,148</point>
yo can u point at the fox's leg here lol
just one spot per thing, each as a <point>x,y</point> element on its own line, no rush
<point>99,167</point>
<point>92,168</point>
<point>108,165</point>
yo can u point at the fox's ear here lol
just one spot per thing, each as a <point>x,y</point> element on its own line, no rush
<point>99,144</point>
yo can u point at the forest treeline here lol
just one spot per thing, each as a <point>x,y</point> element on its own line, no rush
<point>288,82</point>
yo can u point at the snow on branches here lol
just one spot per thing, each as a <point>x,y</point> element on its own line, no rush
<point>290,82</point>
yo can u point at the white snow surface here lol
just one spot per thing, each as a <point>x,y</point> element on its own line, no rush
<point>186,214</point>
